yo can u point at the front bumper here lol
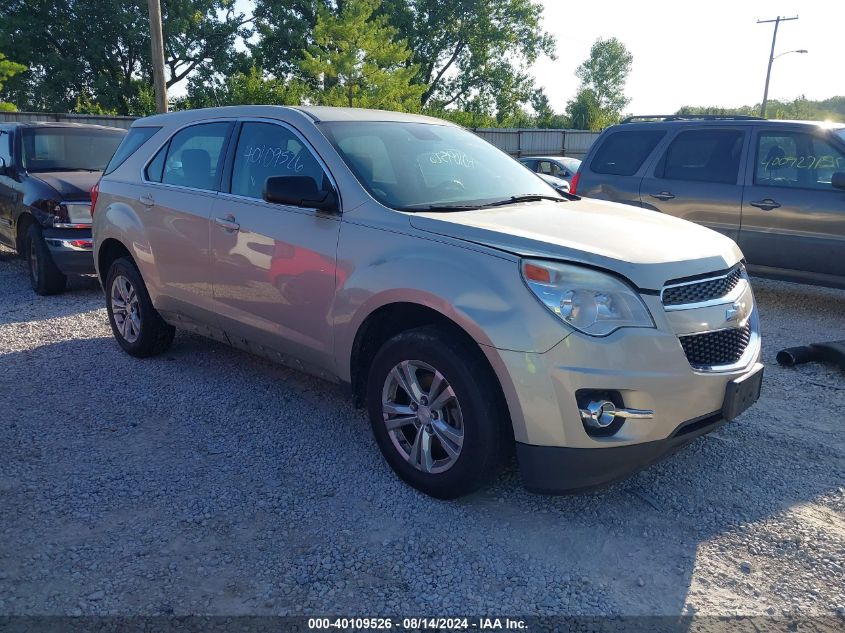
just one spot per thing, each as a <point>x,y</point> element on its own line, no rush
<point>558,469</point>
<point>71,249</point>
<point>647,368</point>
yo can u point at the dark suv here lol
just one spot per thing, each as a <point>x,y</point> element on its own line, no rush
<point>46,174</point>
<point>776,187</point>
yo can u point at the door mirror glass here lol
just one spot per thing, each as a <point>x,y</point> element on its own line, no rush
<point>3,171</point>
<point>299,191</point>
<point>838,179</point>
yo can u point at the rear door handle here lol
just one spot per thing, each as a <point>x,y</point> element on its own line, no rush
<point>147,200</point>
<point>663,195</point>
<point>228,223</point>
<point>767,205</point>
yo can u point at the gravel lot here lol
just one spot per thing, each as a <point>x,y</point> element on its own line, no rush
<point>210,482</point>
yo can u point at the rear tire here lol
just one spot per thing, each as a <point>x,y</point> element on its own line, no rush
<point>44,276</point>
<point>136,324</point>
<point>436,415</point>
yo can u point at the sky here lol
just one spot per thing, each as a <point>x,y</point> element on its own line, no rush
<point>708,53</point>
<point>700,53</point>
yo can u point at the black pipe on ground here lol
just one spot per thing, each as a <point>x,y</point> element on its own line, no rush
<point>833,352</point>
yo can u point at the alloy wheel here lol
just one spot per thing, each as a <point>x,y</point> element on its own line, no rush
<point>125,309</point>
<point>423,416</point>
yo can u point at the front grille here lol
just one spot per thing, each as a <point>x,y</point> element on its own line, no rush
<point>698,292</point>
<point>714,349</point>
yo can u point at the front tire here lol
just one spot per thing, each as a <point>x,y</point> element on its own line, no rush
<point>436,415</point>
<point>44,276</point>
<point>136,324</point>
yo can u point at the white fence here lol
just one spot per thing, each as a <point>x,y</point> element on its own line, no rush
<point>529,141</point>
<point>516,142</point>
<point>88,119</point>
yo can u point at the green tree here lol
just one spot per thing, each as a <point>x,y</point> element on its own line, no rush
<point>586,113</point>
<point>249,87</point>
<point>8,69</point>
<point>472,50</point>
<point>285,29</point>
<point>98,52</point>
<point>605,74</point>
<point>357,60</point>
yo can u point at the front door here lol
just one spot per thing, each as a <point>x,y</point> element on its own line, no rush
<point>698,179</point>
<point>274,265</point>
<point>10,194</point>
<point>792,217</point>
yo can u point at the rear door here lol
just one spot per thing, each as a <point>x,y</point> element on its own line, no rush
<point>792,217</point>
<point>274,265</point>
<point>698,177</point>
<point>175,203</point>
<point>618,164</point>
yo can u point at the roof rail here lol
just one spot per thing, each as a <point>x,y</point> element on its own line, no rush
<point>690,117</point>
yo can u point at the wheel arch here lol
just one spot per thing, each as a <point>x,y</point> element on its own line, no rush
<point>24,221</point>
<point>390,319</point>
<point>110,250</point>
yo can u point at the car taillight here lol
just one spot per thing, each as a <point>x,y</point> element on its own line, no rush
<point>95,191</point>
<point>573,184</point>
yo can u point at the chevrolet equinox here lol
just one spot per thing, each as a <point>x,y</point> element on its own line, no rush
<point>470,307</point>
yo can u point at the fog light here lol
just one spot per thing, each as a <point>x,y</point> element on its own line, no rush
<point>599,414</point>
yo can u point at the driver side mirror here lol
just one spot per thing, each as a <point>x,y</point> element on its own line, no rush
<point>299,191</point>
<point>3,170</point>
<point>838,179</point>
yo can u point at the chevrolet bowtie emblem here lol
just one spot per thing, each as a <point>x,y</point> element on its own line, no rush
<point>735,312</point>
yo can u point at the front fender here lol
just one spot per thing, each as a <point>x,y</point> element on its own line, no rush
<point>482,292</point>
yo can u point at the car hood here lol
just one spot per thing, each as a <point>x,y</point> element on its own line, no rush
<point>70,185</point>
<point>647,247</point>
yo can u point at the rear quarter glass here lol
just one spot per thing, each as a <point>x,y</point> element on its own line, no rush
<point>136,137</point>
<point>623,153</point>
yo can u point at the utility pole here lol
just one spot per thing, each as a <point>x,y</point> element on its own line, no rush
<point>777,22</point>
<point>157,45</point>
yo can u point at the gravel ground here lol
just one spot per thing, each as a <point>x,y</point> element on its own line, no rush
<point>210,482</point>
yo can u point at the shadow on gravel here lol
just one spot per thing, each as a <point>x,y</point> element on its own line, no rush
<point>206,481</point>
<point>19,303</point>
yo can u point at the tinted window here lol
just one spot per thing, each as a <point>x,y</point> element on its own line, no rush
<point>194,156</point>
<point>703,156</point>
<point>796,159</point>
<point>68,148</point>
<point>155,169</point>
<point>417,165</point>
<point>623,153</point>
<point>136,137</point>
<point>266,150</point>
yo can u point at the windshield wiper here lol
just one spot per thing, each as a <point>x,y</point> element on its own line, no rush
<point>443,207</point>
<point>526,198</point>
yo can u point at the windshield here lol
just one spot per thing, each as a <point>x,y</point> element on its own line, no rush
<point>572,164</point>
<point>413,166</point>
<point>68,149</point>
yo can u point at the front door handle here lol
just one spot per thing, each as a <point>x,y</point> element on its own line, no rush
<point>767,205</point>
<point>147,200</point>
<point>663,195</point>
<point>228,223</point>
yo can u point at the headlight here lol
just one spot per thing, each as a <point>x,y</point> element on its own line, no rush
<point>78,213</point>
<point>71,213</point>
<point>592,302</point>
